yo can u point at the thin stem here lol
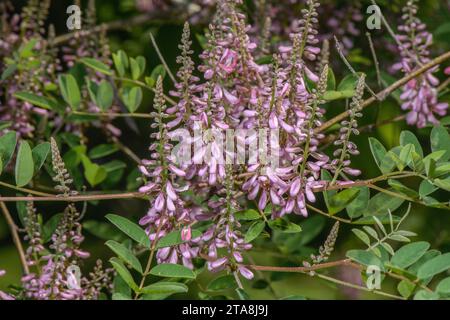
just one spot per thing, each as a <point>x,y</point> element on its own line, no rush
<point>161,58</point>
<point>375,59</point>
<point>384,93</point>
<point>24,190</point>
<point>352,70</point>
<point>15,235</point>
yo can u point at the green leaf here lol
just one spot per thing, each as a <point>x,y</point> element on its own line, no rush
<point>409,254</point>
<point>36,100</point>
<point>426,188</point>
<point>389,162</point>
<point>381,203</point>
<point>362,236</point>
<point>440,140</point>
<point>50,226</point>
<point>93,173</point>
<point>443,288</point>
<point>398,186</point>
<point>222,283</point>
<point>131,229</point>
<point>124,273</point>
<point>159,70</point>
<point>9,71</point>
<point>125,254</point>
<point>283,225</point>
<point>407,137</point>
<point>171,270</point>
<point>120,62</point>
<point>327,194</point>
<point>96,65</point>
<point>7,146</point>
<point>405,288</point>
<point>348,83</point>
<point>174,238</point>
<point>120,296</point>
<point>359,205</point>
<point>24,165</point>
<point>242,294</point>
<point>163,287</point>
<point>254,231</point>
<point>365,258</point>
<point>137,67</point>
<point>69,90</point>
<point>40,153</point>
<point>443,184</point>
<point>340,200</point>
<point>132,98</point>
<point>102,150</point>
<point>406,154</point>
<point>335,95</point>
<point>249,214</point>
<point>434,266</point>
<point>425,295</point>
<point>105,95</point>
<point>378,150</point>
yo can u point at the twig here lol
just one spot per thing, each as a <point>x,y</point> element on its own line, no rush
<point>15,235</point>
<point>163,61</point>
<point>352,70</point>
<point>375,59</point>
<point>384,93</point>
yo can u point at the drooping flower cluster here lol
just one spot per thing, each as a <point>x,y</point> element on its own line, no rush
<point>419,96</point>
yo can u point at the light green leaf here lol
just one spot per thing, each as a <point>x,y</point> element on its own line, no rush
<point>124,273</point>
<point>105,95</point>
<point>96,65</point>
<point>362,236</point>
<point>425,295</point>
<point>365,258</point>
<point>409,254</point>
<point>131,229</point>
<point>434,266</point>
<point>132,98</point>
<point>125,254</point>
<point>407,137</point>
<point>254,231</point>
<point>36,100</point>
<point>443,288</point>
<point>69,90</point>
<point>397,185</point>
<point>171,270</point>
<point>120,62</point>
<point>24,165</point>
<point>249,214</point>
<point>378,150</point>
<point>440,140</point>
<point>442,183</point>
<point>165,288</point>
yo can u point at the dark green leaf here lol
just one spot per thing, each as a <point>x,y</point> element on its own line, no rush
<point>166,288</point>
<point>8,143</point>
<point>40,153</point>
<point>24,165</point>
<point>340,200</point>
<point>357,207</point>
<point>132,98</point>
<point>125,254</point>
<point>70,90</point>
<point>378,150</point>
<point>381,203</point>
<point>124,273</point>
<point>283,225</point>
<point>222,283</point>
<point>407,137</point>
<point>131,229</point>
<point>440,140</point>
<point>36,100</point>
<point>171,270</point>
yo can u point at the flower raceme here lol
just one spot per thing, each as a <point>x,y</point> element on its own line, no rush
<point>239,109</point>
